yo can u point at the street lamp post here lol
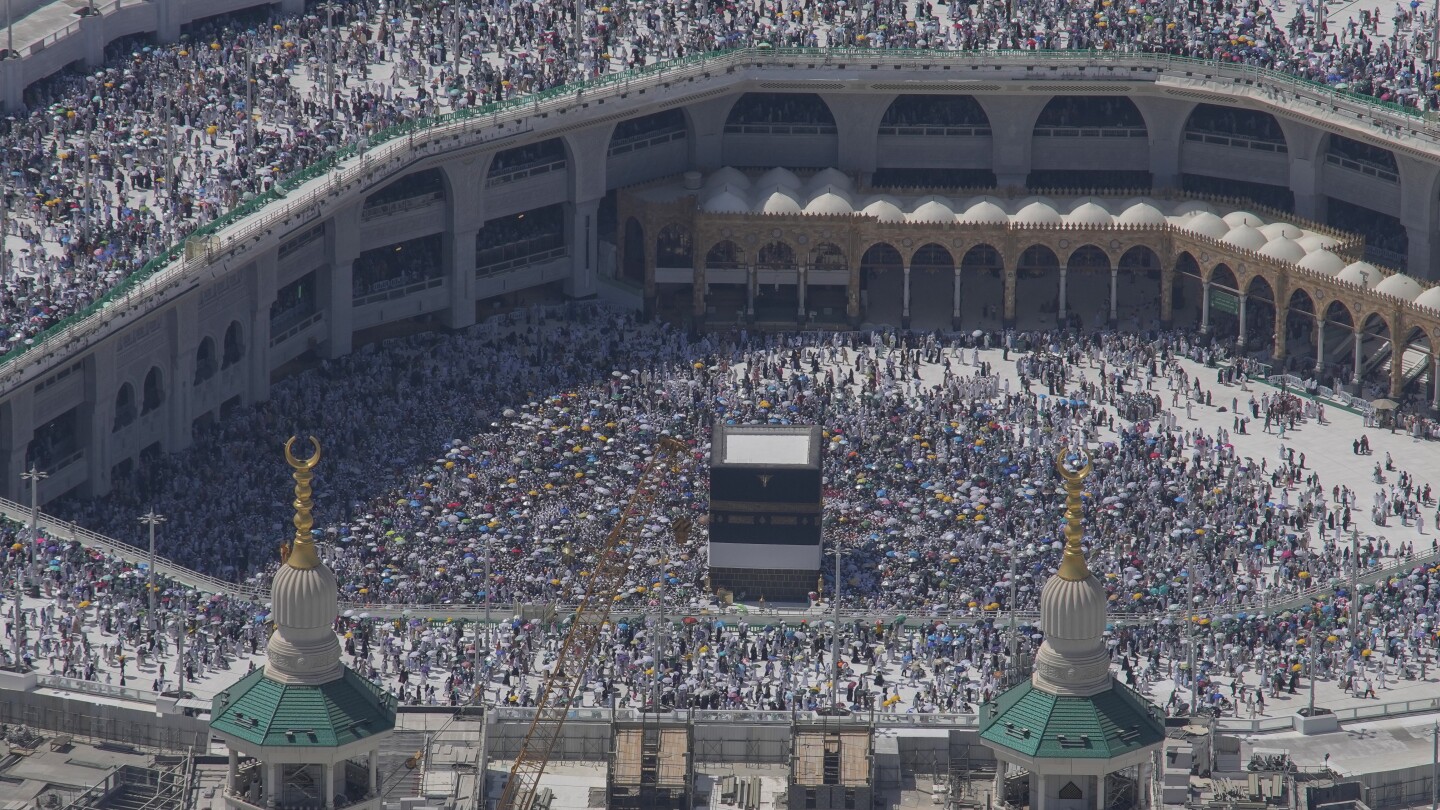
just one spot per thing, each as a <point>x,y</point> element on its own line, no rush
<point>1312,674</point>
<point>1354,585</point>
<point>835,633</point>
<point>329,58</point>
<point>1190,625</point>
<point>34,476</point>
<point>479,686</point>
<point>152,520</point>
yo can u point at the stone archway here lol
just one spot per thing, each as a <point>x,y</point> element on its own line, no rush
<point>1259,311</point>
<point>1037,288</point>
<point>982,288</point>
<point>1085,298</point>
<point>882,284</point>
<point>932,287</point>
<point>1187,294</point>
<point>1300,325</point>
<point>1136,288</point>
<point>1334,338</point>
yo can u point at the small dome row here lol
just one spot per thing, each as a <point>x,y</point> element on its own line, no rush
<point>730,176</point>
<point>830,192</point>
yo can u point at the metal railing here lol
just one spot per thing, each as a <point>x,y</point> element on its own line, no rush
<point>1235,141</point>
<point>392,293</point>
<point>370,212</point>
<point>65,530</point>
<point>1378,172</point>
<point>95,688</point>
<point>400,145</point>
<point>645,141</point>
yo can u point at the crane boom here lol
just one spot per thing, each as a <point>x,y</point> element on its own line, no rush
<point>581,643</point>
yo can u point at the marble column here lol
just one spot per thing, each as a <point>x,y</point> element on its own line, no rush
<point>1240,311</point>
<point>955,302</point>
<point>1114,294</point>
<point>1359,357</point>
<point>1060,307</point>
<point>1435,379</point>
<point>1204,306</point>
<point>905,300</point>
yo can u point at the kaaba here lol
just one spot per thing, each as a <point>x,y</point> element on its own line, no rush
<point>765,510</point>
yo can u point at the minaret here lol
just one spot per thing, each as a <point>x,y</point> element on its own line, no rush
<point>303,649</point>
<point>305,730</point>
<point>1080,734</point>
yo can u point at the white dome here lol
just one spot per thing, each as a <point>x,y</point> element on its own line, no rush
<point>829,177</point>
<point>1140,213</point>
<point>1316,241</point>
<point>1237,218</point>
<point>1430,298</point>
<point>1192,207</point>
<point>1073,659</point>
<point>1089,212</point>
<point>1245,238</point>
<point>725,200</point>
<point>985,213</point>
<point>1038,213</point>
<point>1283,249</point>
<point>304,598</point>
<point>1206,224</point>
<point>777,200</point>
<point>1073,610</point>
<point>883,208</point>
<point>830,201</point>
<point>934,209</point>
<point>303,649</point>
<point>1363,273</point>
<point>728,176</point>
<point>1322,261</point>
<point>1401,286</point>
<point>779,176</point>
<point>1276,230</point>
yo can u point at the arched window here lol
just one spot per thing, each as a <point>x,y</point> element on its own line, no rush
<point>205,360</point>
<point>154,391</point>
<point>124,407</point>
<point>234,345</point>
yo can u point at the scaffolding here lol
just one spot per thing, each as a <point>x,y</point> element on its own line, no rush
<point>832,766</point>
<point>650,766</point>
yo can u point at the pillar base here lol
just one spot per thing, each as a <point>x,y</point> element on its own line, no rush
<point>955,323</point>
<point>647,307</point>
<point>904,321</point>
<point>854,321</point>
<point>1007,323</point>
<point>1167,323</point>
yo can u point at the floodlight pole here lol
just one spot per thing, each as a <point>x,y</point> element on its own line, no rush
<point>152,520</point>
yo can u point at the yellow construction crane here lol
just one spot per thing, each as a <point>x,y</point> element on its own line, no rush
<point>582,641</point>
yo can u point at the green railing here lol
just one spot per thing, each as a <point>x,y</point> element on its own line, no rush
<point>698,63</point>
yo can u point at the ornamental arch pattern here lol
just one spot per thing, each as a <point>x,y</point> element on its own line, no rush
<point>862,244</point>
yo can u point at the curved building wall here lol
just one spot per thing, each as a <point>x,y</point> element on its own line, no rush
<point>286,275</point>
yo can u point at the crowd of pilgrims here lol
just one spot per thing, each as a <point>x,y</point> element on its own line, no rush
<point>107,168</point>
<point>513,442</point>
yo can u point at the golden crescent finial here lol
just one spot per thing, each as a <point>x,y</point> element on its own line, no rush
<point>302,549</point>
<point>1076,475</point>
<point>307,464</point>
<point>1072,561</point>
